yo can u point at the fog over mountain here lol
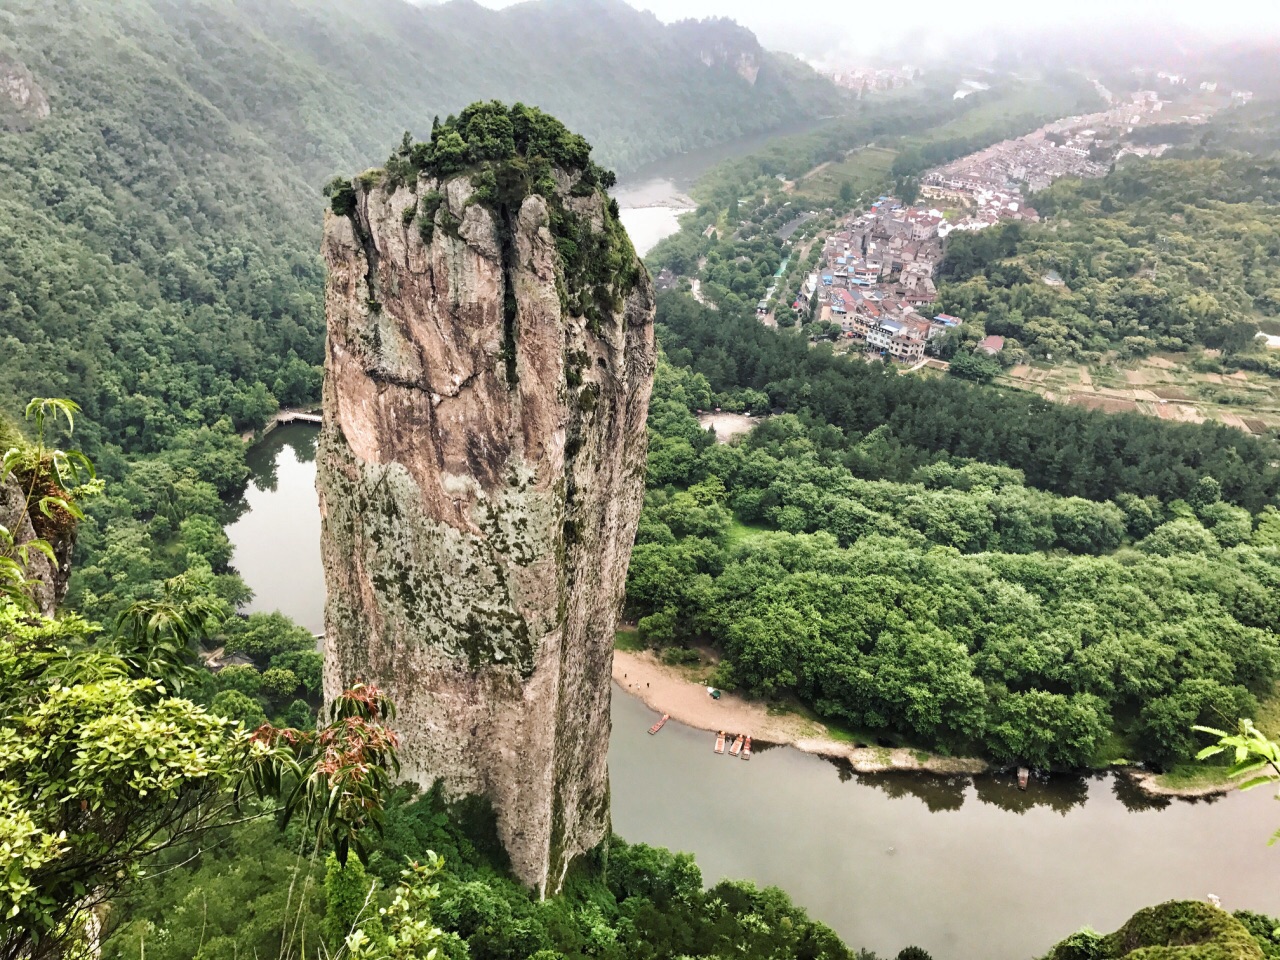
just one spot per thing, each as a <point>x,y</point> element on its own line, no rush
<point>932,28</point>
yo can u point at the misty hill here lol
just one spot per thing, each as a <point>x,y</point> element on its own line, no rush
<point>329,83</point>
<point>160,165</point>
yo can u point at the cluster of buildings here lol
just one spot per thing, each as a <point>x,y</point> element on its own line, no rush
<point>988,184</point>
<point>876,275</point>
<point>875,279</point>
<point>1205,86</point>
<point>866,79</point>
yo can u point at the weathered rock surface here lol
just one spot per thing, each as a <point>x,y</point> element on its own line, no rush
<point>481,470</point>
<point>20,95</point>
<point>47,582</point>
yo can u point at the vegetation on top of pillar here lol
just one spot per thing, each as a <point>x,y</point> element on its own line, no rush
<point>510,154</point>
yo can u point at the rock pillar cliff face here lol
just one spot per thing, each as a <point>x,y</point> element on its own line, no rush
<point>481,472</point>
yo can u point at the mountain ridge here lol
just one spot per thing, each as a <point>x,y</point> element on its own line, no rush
<point>162,221</point>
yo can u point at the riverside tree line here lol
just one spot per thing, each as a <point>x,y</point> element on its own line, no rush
<point>912,592</point>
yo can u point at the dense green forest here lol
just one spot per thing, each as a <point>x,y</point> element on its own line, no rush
<point>651,904</point>
<point>920,561</point>
<point>1061,449</point>
<point>1159,255</point>
<point>162,222</point>
<point>894,552</point>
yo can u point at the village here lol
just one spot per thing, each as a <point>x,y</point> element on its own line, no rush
<point>875,280</point>
<point>877,274</point>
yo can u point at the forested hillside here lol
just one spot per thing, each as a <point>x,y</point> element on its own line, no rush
<point>1064,450</point>
<point>1159,255</point>
<point>930,563</point>
<point>161,221</point>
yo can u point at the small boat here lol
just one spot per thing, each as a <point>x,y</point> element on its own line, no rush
<point>737,747</point>
<point>1023,776</point>
<point>658,726</point>
<point>720,742</point>
<point>746,749</point>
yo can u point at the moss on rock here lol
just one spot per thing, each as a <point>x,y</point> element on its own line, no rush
<point>1176,930</point>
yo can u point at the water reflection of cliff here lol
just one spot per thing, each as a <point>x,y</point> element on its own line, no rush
<point>1059,792</point>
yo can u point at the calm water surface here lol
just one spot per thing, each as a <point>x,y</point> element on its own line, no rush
<point>277,537</point>
<point>969,869</point>
<point>652,198</point>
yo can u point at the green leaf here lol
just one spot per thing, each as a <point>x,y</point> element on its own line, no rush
<point>1256,782</point>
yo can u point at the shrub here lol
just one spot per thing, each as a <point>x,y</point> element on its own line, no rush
<point>263,635</point>
<point>235,705</point>
<point>342,196</point>
<point>679,656</point>
<point>278,683</point>
<point>238,676</point>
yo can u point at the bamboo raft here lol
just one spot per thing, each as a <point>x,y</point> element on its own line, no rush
<point>658,726</point>
<point>746,749</point>
<point>737,746</point>
<point>720,742</point>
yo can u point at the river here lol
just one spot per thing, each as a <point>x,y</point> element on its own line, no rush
<point>651,198</point>
<point>968,868</point>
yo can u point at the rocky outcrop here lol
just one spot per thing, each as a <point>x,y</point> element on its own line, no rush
<point>481,470</point>
<point>722,44</point>
<point>20,96</point>
<point>46,581</point>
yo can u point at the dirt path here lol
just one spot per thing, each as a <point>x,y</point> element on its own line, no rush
<point>728,425</point>
<point>671,690</point>
<point>815,171</point>
<point>695,288</point>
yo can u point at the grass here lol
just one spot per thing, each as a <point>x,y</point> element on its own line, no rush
<point>1112,751</point>
<point>866,169</point>
<point>834,729</point>
<point>628,638</point>
<point>740,532</point>
<point>1268,718</point>
<point>1193,776</point>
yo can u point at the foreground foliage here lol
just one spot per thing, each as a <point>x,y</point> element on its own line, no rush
<point>648,904</point>
<point>103,765</point>
<point>1179,928</point>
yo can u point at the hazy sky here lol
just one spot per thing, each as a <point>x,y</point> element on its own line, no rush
<point>794,22</point>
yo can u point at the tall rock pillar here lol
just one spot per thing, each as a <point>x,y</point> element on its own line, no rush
<point>481,469</point>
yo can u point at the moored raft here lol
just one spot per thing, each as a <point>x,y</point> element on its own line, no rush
<point>737,747</point>
<point>720,742</point>
<point>658,726</point>
<point>746,749</point>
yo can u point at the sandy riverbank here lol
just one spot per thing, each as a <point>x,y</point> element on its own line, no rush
<point>672,690</point>
<point>680,692</point>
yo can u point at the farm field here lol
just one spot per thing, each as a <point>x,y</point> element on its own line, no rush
<point>865,169</point>
<point>1163,385</point>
